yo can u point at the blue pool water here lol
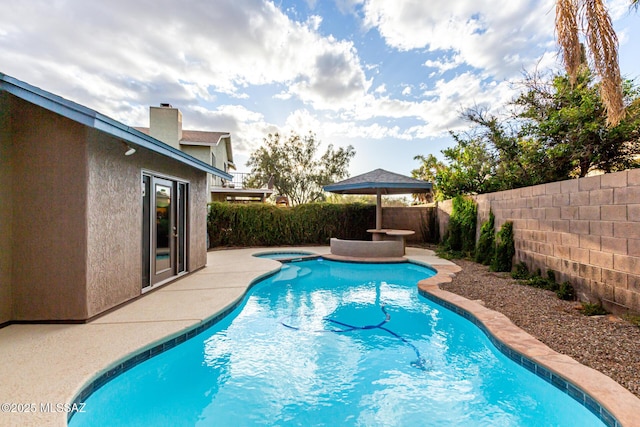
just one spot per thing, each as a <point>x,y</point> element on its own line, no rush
<point>325,343</point>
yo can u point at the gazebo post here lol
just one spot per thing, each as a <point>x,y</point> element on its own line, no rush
<point>378,208</point>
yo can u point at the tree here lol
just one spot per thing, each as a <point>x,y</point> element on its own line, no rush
<point>602,42</point>
<point>569,121</point>
<point>556,131</point>
<point>470,170</point>
<point>428,170</point>
<point>295,171</point>
<point>519,160</point>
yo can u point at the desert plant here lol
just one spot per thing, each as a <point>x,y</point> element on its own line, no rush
<point>461,234</point>
<point>566,291</point>
<point>590,309</point>
<point>505,249</point>
<point>520,272</point>
<point>486,242</point>
<point>552,285</point>
<point>538,281</point>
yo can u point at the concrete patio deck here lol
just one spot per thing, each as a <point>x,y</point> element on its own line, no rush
<point>51,364</point>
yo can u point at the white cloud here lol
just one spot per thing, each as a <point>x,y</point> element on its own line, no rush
<point>497,36</point>
<point>617,8</point>
<point>301,121</point>
<point>444,64</point>
<point>380,89</point>
<point>333,77</point>
<point>187,52</point>
<point>247,128</point>
<point>246,67</point>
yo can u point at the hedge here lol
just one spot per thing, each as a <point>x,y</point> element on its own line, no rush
<point>258,224</point>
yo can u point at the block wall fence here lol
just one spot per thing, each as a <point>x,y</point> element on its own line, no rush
<point>587,230</point>
<point>416,218</point>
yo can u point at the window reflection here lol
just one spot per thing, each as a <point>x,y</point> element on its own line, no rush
<point>163,227</point>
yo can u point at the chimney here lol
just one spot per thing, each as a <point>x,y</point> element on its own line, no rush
<point>165,124</point>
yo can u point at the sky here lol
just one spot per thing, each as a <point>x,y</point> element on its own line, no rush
<point>390,78</point>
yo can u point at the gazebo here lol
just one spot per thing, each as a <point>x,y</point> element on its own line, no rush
<point>387,243</point>
<point>379,182</point>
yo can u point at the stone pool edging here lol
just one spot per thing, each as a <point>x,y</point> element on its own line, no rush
<point>613,404</point>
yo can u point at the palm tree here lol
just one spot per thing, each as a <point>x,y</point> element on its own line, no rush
<point>591,18</point>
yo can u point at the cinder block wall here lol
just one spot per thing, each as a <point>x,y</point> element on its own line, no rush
<point>587,230</point>
<point>416,218</point>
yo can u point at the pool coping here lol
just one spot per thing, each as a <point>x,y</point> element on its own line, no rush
<point>72,358</point>
<point>613,404</point>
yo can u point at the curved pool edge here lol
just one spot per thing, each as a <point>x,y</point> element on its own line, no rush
<point>141,354</point>
<point>613,398</point>
<point>613,404</point>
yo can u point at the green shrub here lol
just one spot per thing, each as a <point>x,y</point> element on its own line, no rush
<point>461,233</point>
<point>260,224</point>
<point>634,319</point>
<point>551,275</point>
<point>537,281</point>
<point>552,285</point>
<point>486,242</point>
<point>505,249</point>
<point>566,292</point>
<point>589,309</point>
<point>520,272</point>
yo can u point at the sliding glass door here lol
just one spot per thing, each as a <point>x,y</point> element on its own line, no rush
<point>164,229</point>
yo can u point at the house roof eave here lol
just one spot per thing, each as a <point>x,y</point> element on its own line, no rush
<point>100,122</point>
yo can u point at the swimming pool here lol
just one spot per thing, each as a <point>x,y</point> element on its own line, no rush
<point>328,343</point>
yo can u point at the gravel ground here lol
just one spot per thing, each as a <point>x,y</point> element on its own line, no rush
<point>606,343</point>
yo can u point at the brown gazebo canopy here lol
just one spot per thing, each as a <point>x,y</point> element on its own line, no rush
<point>379,182</point>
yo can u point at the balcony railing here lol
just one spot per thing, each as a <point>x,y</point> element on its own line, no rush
<point>239,179</point>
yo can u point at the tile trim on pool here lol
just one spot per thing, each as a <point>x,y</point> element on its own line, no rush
<point>553,379</point>
<point>166,344</point>
<point>615,406</point>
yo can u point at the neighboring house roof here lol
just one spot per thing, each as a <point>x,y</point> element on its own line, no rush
<point>100,122</point>
<point>200,137</point>
<point>203,137</point>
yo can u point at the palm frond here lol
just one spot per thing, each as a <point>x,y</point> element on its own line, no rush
<point>568,40</point>
<point>603,45</point>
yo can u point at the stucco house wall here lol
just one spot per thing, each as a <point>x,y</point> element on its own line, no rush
<point>6,204</point>
<point>48,219</point>
<point>114,212</point>
<point>221,154</point>
<point>114,257</point>
<point>200,152</point>
<point>71,207</point>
